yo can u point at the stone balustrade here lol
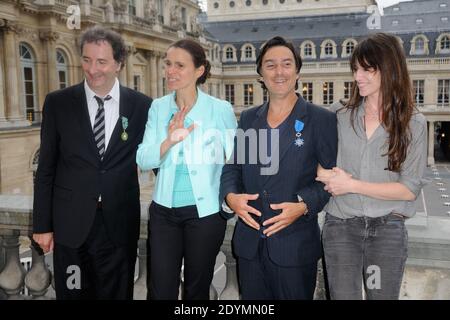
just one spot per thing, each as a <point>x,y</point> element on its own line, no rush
<point>16,222</point>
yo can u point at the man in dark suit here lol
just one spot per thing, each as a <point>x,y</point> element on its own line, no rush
<point>277,237</point>
<point>86,196</point>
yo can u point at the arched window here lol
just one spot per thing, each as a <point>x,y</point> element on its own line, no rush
<point>419,45</point>
<point>307,50</point>
<point>349,48</point>
<point>29,99</point>
<point>445,43</point>
<point>229,54</point>
<point>248,52</point>
<point>61,69</point>
<point>328,49</point>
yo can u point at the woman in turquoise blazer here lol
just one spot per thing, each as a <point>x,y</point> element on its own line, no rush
<point>188,137</point>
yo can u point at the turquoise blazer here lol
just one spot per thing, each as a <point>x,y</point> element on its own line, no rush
<point>205,149</point>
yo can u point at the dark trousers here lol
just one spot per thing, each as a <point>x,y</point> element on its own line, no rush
<point>365,252</point>
<point>96,270</point>
<point>177,233</point>
<point>261,279</point>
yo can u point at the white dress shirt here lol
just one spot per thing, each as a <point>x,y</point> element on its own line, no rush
<point>111,109</point>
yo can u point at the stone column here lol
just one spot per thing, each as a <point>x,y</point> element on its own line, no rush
<point>50,38</point>
<point>129,63</point>
<point>430,143</point>
<point>153,75</point>
<point>2,94</point>
<point>160,74</point>
<point>317,92</point>
<point>14,111</point>
<point>430,91</point>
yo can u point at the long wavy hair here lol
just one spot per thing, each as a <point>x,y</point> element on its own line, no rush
<point>383,53</point>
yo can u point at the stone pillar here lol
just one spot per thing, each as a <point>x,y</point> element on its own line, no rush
<point>318,92</point>
<point>153,75</point>
<point>38,278</point>
<point>430,143</point>
<point>14,111</point>
<point>123,76</point>
<point>2,94</point>
<point>129,63</point>
<point>239,94</point>
<point>13,274</point>
<point>160,75</point>
<point>50,38</point>
<point>430,91</point>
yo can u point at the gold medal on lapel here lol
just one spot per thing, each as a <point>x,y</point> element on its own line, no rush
<point>124,135</point>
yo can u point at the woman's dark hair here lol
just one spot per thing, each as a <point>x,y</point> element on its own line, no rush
<point>277,42</point>
<point>97,34</point>
<point>383,53</point>
<point>198,56</point>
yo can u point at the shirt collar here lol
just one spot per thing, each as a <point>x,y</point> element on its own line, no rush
<point>114,93</point>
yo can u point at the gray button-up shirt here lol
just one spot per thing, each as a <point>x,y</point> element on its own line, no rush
<point>363,159</point>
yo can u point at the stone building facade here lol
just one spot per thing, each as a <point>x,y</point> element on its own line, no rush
<point>325,33</point>
<point>39,53</point>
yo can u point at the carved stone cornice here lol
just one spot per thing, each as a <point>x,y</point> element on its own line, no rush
<point>48,35</point>
<point>131,50</point>
<point>9,26</point>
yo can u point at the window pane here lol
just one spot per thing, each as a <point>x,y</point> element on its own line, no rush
<point>28,74</point>
<point>29,100</point>
<point>28,87</point>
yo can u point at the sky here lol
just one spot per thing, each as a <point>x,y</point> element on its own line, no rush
<point>383,3</point>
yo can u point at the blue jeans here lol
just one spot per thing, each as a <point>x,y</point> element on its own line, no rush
<point>365,251</point>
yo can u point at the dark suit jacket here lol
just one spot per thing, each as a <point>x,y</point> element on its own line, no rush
<point>70,175</point>
<point>299,243</point>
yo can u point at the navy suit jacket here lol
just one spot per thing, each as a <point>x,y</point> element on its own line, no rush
<point>70,175</point>
<point>299,243</point>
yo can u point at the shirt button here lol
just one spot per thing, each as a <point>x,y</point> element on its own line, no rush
<point>200,198</point>
<point>102,171</point>
<point>193,172</point>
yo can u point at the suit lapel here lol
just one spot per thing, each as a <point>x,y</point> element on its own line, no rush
<point>125,110</point>
<point>288,135</point>
<point>81,111</point>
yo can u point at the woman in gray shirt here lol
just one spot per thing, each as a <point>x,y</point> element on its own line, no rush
<point>380,168</point>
